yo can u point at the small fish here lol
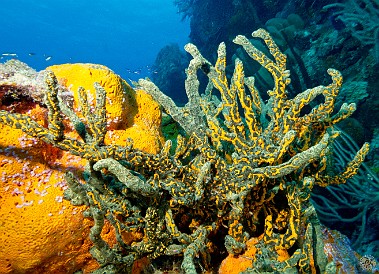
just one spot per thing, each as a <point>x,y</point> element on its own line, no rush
<point>48,58</point>
<point>9,54</point>
<point>31,54</point>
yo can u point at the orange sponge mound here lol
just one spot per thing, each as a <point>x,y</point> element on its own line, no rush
<point>146,129</point>
<point>237,264</point>
<point>130,113</point>
<point>38,228</point>
<point>118,92</point>
<point>40,232</point>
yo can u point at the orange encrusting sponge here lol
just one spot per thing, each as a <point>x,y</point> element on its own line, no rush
<point>39,229</point>
<point>237,264</point>
<point>40,232</point>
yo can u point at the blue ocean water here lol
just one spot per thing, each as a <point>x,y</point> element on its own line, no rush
<point>123,35</point>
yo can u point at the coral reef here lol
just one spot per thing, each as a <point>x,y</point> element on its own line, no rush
<point>360,17</point>
<point>169,75</point>
<point>244,169</point>
<point>344,36</point>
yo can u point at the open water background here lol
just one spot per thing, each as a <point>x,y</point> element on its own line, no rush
<point>123,35</point>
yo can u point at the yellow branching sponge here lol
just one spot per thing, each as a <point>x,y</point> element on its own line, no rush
<point>244,170</point>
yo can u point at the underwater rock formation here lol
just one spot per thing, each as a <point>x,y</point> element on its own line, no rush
<point>244,169</point>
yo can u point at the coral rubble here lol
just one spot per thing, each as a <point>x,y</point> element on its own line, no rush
<point>244,169</point>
